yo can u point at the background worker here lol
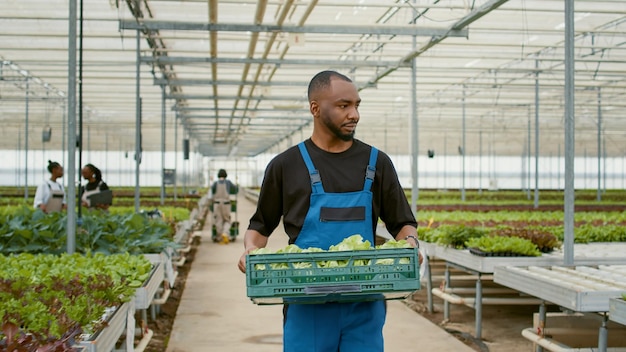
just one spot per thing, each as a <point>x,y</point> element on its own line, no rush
<point>327,188</point>
<point>221,191</point>
<point>94,185</point>
<point>50,195</point>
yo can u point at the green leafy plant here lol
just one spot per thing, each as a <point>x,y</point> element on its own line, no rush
<point>32,231</point>
<point>504,245</point>
<point>47,299</point>
<point>352,243</point>
<point>456,236</point>
<point>545,241</point>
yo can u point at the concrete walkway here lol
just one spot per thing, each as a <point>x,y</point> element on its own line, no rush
<point>216,315</point>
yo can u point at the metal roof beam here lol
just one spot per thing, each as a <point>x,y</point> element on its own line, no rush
<point>465,21</point>
<point>252,118</point>
<point>231,97</point>
<point>183,109</point>
<point>205,82</point>
<point>193,60</point>
<point>325,29</point>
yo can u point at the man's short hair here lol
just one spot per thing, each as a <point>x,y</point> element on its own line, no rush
<point>322,80</point>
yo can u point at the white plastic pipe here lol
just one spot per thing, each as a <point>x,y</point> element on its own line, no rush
<point>181,262</point>
<point>469,301</point>
<point>161,300</point>
<point>529,334</point>
<point>486,290</point>
<point>144,341</point>
<point>184,250</point>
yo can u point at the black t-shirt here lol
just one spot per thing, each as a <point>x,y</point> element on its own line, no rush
<point>286,188</point>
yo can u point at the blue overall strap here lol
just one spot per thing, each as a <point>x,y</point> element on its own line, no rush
<point>371,170</point>
<point>316,180</point>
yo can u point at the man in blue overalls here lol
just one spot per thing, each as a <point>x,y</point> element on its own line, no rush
<point>327,188</point>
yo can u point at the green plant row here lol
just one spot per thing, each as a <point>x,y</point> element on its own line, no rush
<point>488,240</point>
<point>33,231</point>
<point>46,298</point>
<point>504,245</point>
<point>170,214</point>
<point>499,216</point>
<point>587,195</point>
<point>587,233</point>
<point>545,238</point>
<point>450,236</point>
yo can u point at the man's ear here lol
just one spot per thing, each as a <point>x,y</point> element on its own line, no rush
<point>314,108</point>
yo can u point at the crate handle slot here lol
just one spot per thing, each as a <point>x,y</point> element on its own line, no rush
<point>312,290</point>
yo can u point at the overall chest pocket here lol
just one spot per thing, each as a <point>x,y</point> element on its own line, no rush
<point>342,214</point>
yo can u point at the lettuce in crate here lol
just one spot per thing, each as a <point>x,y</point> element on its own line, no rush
<point>352,243</point>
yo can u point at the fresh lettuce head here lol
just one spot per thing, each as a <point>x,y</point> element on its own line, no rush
<point>352,243</point>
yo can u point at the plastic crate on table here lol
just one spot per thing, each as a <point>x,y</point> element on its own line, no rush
<point>367,275</point>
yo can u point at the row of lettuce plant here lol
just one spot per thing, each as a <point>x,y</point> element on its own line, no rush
<point>499,216</point>
<point>497,239</point>
<point>49,302</point>
<point>50,299</point>
<point>546,196</point>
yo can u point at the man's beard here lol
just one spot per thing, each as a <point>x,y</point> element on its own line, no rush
<point>346,137</point>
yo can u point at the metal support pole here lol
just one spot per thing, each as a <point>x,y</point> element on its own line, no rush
<point>599,193</point>
<point>106,150</point>
<point>26,143</point>
<point>603,334</point>
<point>480,162</point>
<point>542,324</point>
<point>568,220</point>
<point>137,119</point>
<point>63,141</point>
<point>604,168</point>
<point>80,114</point>
<point>478,306</point>
<point>18,179</point>
<point>446,304</point>
<point>463,150</point>
<point>529,144</point>
<point>445,161</point>
<point>71,130</point>
<point>162,144</point>
<point>536,204</point>
<point>120,161</point>
<point>176,158</point>
<point>558,169</point>
<point>523,166</point>
<point>429,285</point>
<point>414,128</point>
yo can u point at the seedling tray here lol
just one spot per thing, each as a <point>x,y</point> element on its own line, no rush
<point>480,253</point>
<point>617,310</point>
<point>363,278</point>
<point>145,293</point>
<point>105,339</point>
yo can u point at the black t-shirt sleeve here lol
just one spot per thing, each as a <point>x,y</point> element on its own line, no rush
<point>394,208</point>
<point>103,186</point>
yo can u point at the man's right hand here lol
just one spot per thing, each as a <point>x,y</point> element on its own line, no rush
<point>242,261</point>
<point>251,240</point>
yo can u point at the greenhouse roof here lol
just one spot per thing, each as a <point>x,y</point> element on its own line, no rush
<point>234,73</point>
